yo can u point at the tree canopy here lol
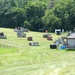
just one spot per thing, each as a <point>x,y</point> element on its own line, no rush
<point>36,14</point>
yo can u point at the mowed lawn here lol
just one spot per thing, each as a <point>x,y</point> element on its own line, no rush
<point>18,58</point>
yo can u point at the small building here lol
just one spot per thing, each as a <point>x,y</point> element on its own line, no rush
<point>71,41</point>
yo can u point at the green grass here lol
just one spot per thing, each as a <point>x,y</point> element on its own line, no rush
<point>7,50</point>
<point>18,58</point>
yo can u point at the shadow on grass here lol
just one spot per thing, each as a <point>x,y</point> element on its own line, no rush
<point>72,49</point>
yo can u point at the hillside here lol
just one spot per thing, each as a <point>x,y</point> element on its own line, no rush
<point>18,58</point>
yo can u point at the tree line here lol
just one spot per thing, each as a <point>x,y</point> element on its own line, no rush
<point>38,14</point>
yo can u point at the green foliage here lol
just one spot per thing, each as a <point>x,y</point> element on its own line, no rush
<point>35,14</point>
<point>51,21</point>
<point>61,16</point>
<point>65,11</point>
<point>27,24</point>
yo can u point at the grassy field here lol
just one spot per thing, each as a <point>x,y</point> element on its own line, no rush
<point>18,58</point>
